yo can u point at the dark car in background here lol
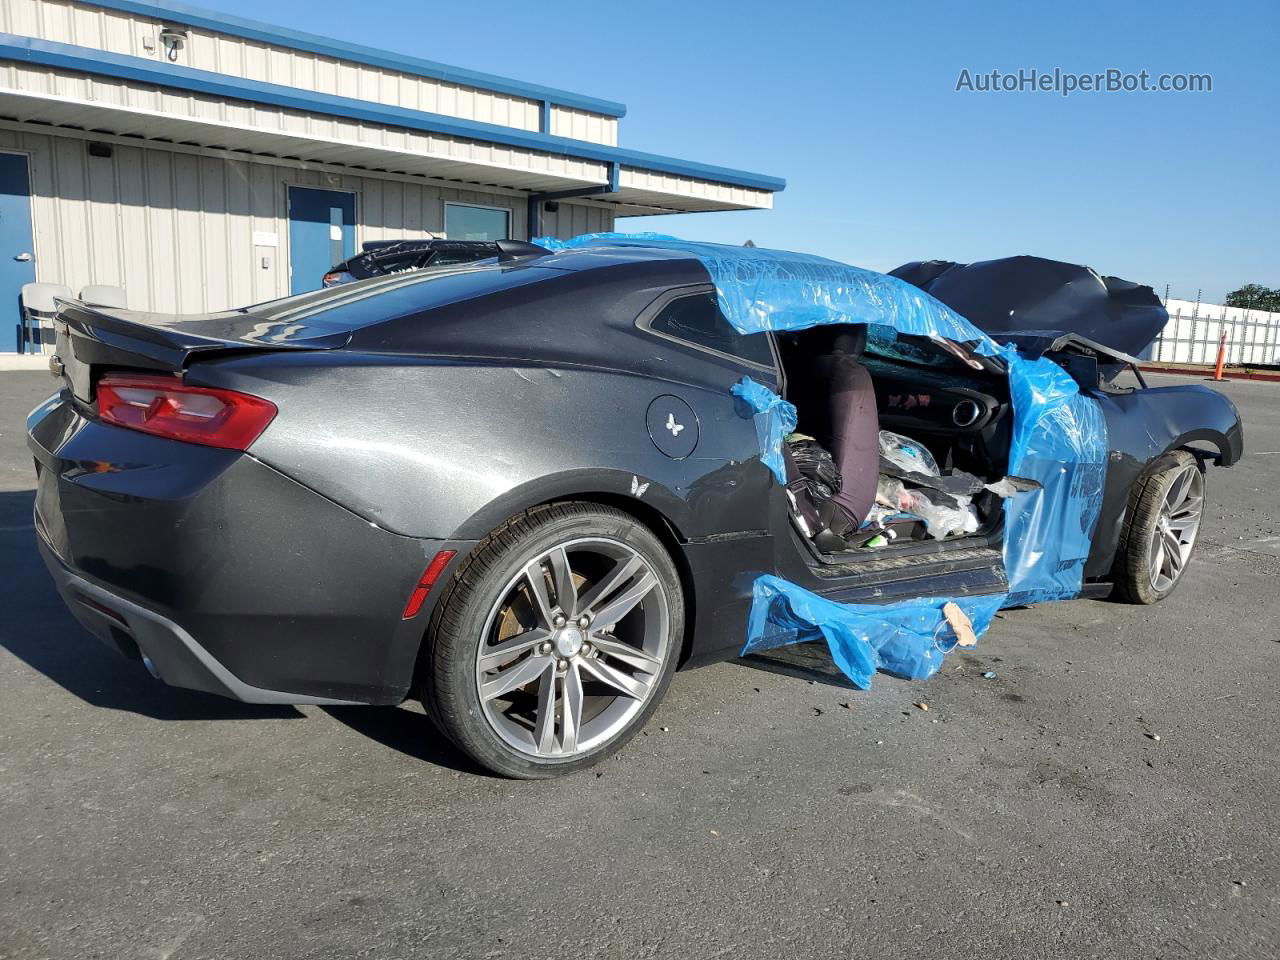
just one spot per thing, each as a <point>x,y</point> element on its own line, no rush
<point>522,491</point>
<point>378,258</point>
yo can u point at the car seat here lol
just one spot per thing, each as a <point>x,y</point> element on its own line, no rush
<point>854,423</point>
<point>837,401</point>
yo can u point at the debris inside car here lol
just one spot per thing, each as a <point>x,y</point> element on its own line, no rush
<point>914,425</point>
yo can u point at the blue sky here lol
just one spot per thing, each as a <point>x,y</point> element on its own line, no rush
<point>855,105</point>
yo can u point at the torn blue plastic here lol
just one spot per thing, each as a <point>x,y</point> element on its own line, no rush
<point>761,289</point>
<point>1059,439</point>
<point>906,638</point>
<point>774,418</point>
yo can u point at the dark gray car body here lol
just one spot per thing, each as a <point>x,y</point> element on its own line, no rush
<point>417,414</point>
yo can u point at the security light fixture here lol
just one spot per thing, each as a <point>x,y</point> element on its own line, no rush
<point>172,39</point>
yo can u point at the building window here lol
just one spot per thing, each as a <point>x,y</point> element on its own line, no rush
<point>466,221</point>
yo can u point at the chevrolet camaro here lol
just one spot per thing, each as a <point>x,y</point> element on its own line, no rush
<point>524,492</point>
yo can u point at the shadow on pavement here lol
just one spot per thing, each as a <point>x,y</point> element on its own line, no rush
<point>408,732</point>
<point>37,629</point>
<point>804,661</point>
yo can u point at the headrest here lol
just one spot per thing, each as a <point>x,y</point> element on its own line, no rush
<point>844,338</point>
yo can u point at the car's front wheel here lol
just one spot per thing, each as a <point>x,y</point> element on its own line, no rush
<point>1165,509</point>
<point>556,641</point>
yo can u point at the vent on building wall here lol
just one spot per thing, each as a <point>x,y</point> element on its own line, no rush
<point>100,149</point>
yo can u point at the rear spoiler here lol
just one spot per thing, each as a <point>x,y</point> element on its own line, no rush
<point>101,337</point>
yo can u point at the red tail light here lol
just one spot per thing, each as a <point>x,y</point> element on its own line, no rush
<point>429,578</point>
<point>169,408</point>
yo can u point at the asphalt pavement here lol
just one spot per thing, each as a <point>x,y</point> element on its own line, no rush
<point>1111,792</point>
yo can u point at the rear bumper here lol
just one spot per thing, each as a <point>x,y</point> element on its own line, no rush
<point>171,653</point>
<point>226,574</point>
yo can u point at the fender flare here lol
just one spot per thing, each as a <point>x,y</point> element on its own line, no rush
<point>617,486</point>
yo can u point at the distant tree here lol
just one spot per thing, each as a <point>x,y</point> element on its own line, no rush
<point>1254,296</point>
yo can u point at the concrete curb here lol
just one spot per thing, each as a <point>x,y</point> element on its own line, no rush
<point>1270,376</point>
<point>24,361</point>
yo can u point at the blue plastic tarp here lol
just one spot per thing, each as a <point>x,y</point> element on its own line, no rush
<point>774,419</point>
<point>761,289</point>
<point>906,638</point>
<point>1059,439</point>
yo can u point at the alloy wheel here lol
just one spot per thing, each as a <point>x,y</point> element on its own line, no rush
<point>1176,528</point>
<point>573,648</point>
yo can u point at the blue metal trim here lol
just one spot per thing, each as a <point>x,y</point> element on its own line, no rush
<point>545,123</point>
<point>175,12</point>
<point>615,170</point>
<point>88,60</point>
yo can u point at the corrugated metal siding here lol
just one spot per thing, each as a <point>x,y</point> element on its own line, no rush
<point>581,125</point>
<point>175,229</point>
<point>573,219</point>
<point>664,184</point>
<point>90,90</point>
<point>65,21</point>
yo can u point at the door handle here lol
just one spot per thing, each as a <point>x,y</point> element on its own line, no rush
<point>23,258</point>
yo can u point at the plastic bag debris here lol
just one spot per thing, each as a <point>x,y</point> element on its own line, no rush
<point>906,638</point>
<point>943,515</point>
<point>1007,487</point>
<point>907,454</point>
<point>815,465</point>
<point>910,460</point>
<point>943,520</point>
<point>774,419</point>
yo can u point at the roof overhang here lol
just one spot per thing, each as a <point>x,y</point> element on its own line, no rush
<point>61,85</point>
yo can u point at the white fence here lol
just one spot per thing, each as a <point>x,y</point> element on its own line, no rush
<point>1193,330</point>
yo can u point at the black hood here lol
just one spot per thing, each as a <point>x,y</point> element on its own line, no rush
<point>1019,294</point>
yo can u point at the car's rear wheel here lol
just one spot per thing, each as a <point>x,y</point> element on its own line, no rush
<point>1159,532</point>
<point>556,641</point>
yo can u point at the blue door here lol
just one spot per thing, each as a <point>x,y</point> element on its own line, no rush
<point>322,232</point>
<point>17,253</point>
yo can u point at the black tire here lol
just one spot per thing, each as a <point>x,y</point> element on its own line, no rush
<point>449,688</point>
<point>1131,572</point>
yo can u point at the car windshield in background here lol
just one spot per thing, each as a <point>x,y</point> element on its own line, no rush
<point>351,306</point>
<point>382,258</point>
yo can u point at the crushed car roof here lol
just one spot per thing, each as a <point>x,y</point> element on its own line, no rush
<point>1020,295</point>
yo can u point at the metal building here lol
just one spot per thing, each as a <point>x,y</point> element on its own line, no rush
<point>186,157</point>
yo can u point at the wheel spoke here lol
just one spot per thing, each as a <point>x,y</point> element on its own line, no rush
<point>491,658</point>
<point>622,571</point>
<point>526,671</point>
<point>620,604</point>
<point>544,731</point>
<point>1157,557</point>
<point>560,693</point>
<point>1173,547</point>
<point>634,687</point>
<point>537,581</point>
<point>626,653</point>
<point>1186,517</point>
<point>571,709</point>
<point>562,577</point>
<point>1178,489</point>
